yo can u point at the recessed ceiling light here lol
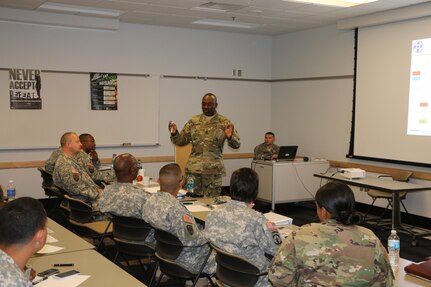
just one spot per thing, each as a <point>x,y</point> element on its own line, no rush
<point>223,23</point>
<point>337,3</point>
<point>218,7</point>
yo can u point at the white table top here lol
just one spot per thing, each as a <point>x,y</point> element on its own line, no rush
<point>89,262</point>
<point>66,239</point>
<point>382,184</point>
<point>405,280</point>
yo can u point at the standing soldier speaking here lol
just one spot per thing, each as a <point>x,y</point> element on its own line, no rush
<point>206,133</point>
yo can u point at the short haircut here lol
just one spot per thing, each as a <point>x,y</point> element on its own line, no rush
<point>211,95</point>
<point>65,138</point>
<point>123,164</point>
<point>338,199</point>
<point>82,137</point>
<point>20,219</point>
<point>244,184</point>
<point>170,176</point>
<point>270,133</point>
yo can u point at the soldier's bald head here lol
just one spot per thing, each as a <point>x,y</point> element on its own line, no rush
<point>170,177</point>
<point>125,167</point>
<point>66,138</point>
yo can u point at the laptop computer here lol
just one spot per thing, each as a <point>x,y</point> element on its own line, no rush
<point>287,153</point>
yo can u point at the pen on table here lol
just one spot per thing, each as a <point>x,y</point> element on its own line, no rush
<point>40,280</point>
<point>63,264</point>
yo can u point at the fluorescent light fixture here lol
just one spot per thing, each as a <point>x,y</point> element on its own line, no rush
<point>223,23</point>
<point>336,3</point>
<point>217,7</point>
<point>209,9</point>
<point>80,10</point>
<point>57,19</point>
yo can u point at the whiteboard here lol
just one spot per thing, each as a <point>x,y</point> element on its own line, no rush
<point>66,106</point>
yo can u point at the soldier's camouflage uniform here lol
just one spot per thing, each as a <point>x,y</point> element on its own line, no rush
<point>205,164</point>
<point>71,176</point>
<point>243,231</point>
<point>125,199</point>
<point>10,274</point>
<point>84,159</point>
<point>265,152</point>
<point>331,254</point>
<point>163,211</point>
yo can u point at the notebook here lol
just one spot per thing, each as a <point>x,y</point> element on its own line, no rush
<point>287,153</point>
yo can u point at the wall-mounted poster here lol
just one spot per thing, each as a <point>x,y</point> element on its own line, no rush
<point>24,89</point>
<point>103,91</point>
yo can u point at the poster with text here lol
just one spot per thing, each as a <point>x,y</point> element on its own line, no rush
<point>103,91</point>
<point>24,89</point>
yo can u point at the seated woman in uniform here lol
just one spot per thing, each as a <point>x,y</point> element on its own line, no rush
<point>237,228</point>
<point>335,252</point>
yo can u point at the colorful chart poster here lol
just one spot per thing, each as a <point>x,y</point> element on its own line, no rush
<point>104,91</point>
<point>24,89</point>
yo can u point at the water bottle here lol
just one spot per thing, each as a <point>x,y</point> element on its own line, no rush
<point>394,250</point>
<point>113,160</point>
<point>190,184</point>
<point>11,193</point>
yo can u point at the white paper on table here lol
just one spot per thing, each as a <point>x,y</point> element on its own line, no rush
<point>50,239</point>
<point>49,249</point>
<point>66,282</point>
<point>278,219</point>
<point>153,189</point>
<point>50,230</point>
<point>197,208</point>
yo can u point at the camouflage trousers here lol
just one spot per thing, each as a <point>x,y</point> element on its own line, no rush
<point>208,185</point>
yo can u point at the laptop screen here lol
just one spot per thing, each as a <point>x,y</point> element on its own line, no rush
<point>287,152</point>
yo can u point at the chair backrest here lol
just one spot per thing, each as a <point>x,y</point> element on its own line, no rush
<point>167,245</point>
<point>80,211</point>
<point>403,175</point>
<point>46,177</point>
<point>129,228</point>
<point>234,270</point>
<point>182,154</point>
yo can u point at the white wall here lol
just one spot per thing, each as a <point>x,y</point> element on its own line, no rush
<point>316,114</point>
<point>154,50</point>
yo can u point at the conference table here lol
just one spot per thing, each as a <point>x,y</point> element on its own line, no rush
<point>85,258</point>
<point>67,240</point>
<point>88,262</point>
<point>402,279</point>
<point>391,186</point>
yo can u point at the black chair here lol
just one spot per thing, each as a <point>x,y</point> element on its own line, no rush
<point>234,270</point>
<point>403,176</point>
<point>168,248</point>
<point>129,235</point>
<point>83,219</point>
<point>48,186</point>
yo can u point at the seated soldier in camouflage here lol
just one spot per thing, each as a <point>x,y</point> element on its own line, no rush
<point>163,211</point>
<point>335,252</point>
<point>70,175</point>
<point>89,147</point>
<point>267,150</point>
<point>85,161</point>
<point>122,197</point>
<point>23,232</point>
<point>236,228</point>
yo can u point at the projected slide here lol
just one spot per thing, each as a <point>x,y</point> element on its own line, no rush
<point>419,117</point>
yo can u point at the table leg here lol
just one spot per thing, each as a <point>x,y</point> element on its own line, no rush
<point>396,213</point>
